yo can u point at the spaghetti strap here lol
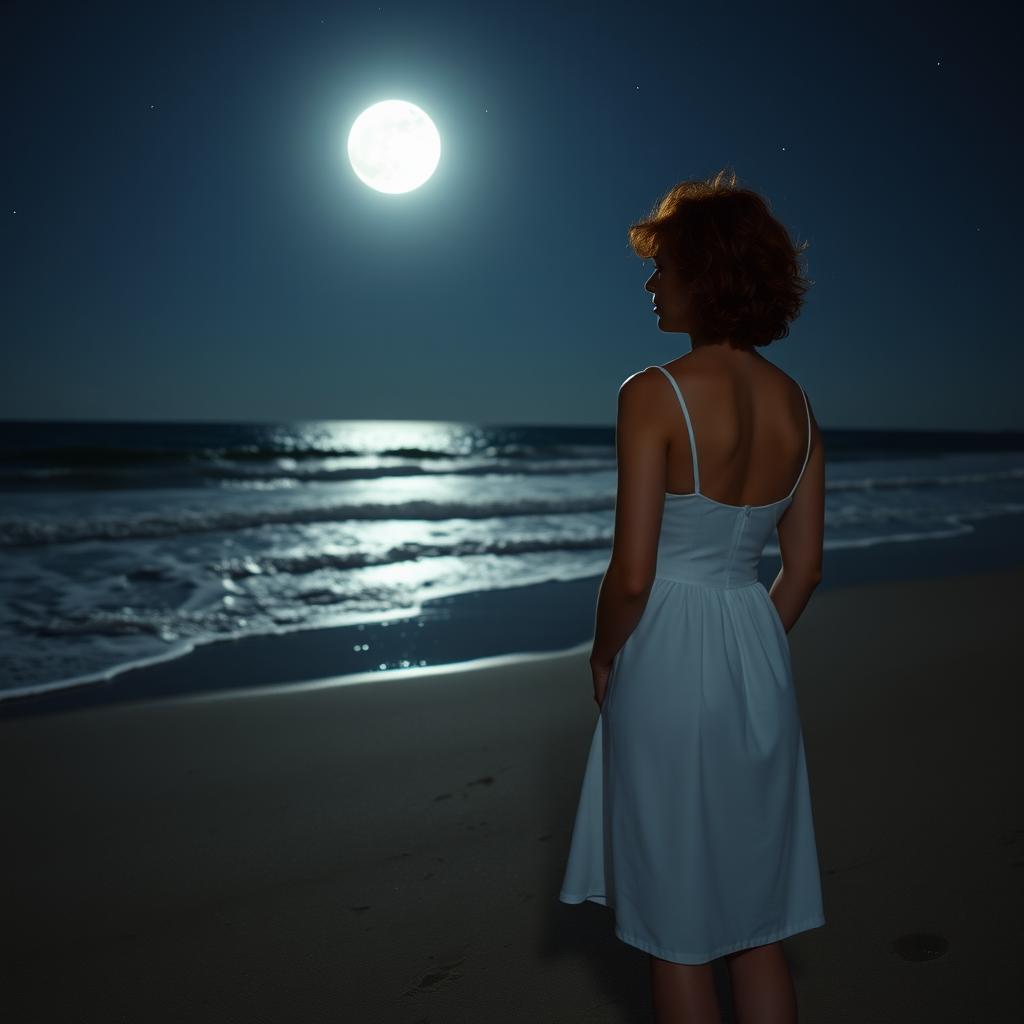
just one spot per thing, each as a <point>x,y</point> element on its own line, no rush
<point>807,454</point>
<point>689,427</point>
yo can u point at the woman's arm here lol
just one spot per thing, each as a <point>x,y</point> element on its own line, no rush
<point>641,448</point>
<point>618,611</point>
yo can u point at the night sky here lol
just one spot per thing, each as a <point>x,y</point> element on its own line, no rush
<point>184,237</point>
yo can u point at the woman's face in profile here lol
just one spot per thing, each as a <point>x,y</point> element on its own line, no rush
<point>669,295</point>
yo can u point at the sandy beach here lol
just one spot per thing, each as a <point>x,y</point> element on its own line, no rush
<point>392,851</point>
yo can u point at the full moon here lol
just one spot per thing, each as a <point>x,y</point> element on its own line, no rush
<point>393,146</point>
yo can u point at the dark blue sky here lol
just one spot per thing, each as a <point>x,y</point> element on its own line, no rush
<point>184,237</point>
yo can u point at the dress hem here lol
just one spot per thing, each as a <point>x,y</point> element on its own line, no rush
<point>696,958</point>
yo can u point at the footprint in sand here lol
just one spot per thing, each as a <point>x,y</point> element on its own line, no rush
<point>437,976</point>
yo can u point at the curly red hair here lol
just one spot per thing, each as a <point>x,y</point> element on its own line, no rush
<point>740,262</point>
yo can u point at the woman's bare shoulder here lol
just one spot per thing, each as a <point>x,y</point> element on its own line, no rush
<point>639,380</point>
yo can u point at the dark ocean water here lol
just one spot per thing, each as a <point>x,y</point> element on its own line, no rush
<point>130,543</point>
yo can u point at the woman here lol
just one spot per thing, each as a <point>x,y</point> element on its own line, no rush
<point>694,822</point>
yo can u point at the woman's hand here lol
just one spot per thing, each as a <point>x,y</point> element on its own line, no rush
<point>600,671</point>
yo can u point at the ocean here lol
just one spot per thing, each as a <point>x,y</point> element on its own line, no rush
<point>422,543</point>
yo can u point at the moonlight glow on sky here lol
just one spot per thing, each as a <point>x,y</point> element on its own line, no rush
<point>393,146</point>
<point>239,213</point>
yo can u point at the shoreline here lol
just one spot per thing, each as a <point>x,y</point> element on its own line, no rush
<point>475,628</point>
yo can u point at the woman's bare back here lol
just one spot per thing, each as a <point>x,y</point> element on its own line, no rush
<point>749,426</point>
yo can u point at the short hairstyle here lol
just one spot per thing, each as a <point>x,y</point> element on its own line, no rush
<point>740,262</point>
